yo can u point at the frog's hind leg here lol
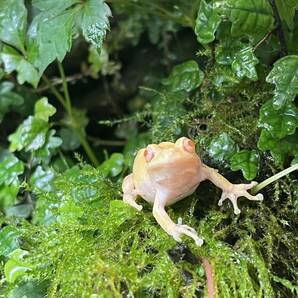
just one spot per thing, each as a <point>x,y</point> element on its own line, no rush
<point>129,192</point>
<point>175,230</point>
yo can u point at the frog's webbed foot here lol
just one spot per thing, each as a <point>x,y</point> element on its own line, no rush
<point>239,190</point>
<point>129,193</point>
<point>174,230</point>
<point>179,229</point>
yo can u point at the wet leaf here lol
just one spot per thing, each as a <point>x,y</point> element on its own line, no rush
<point>113,166</point>
<point>244,64</point>
<point>95,21</point>
<point>184,77</point>
<point>286,9</point>
<point>8,194</point>
<point>253,18</point>
<point>13,61</point>
<point>279,149</point>
<point>30,135</point>
<point>207,22</point>
<point>225,51</point>
<point>32,289</point>
<point>44,154</point>
<point>70,139</point>
<point>284,76</point>
<point>50,37</point>
<point>222,147</point>
<point>10,168</point>
<point>44,110</point>
<point>11,58</point>
<point>279,123</point>
<point>46,5</point>
<point>27,73</point>
<point>23,211</point>
<point>9,240</point>
<point>246,161</point>
<point>41,179</point>
<point>13,22</point>
<point>16,267</point>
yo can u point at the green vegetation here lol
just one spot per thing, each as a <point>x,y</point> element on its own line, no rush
<point>84,84</point>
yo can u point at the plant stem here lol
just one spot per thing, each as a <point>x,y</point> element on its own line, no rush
<point>54,91</point>
<point>273,178</point>
<point>65,88</point>
<point>66,103</point>
<point>87,148</point>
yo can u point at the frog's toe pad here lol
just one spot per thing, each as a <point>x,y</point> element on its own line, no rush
<point>188,231</point>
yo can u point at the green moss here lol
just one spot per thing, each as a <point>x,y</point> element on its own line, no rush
<point>97,245</point>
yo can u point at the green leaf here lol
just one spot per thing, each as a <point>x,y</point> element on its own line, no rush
<point>45,153</point>
<point>27,73</point>
<point>16,267</point>
<point>279,123</point>
<point>23,211</point>
<point>50,37</point>
<point>225,51</point>
<point>286,9</point>
<point>43,110</point>
<point>42,179</point>
<point>279,149</point>
<point>244,64</point>
<point>46,5</point>
<point>246,161</point>
<point>207,23</point>
<point>70,139</point>
<point>13,22</point>
<point>253,17</point>
<point>222,147</point>
<point>12,60</point>
<point>95,21</point>
<point>8,99</point>
<point>184,77</point>
<point>9,240</point>
<point>8,194</point>
<point>284,75</point>
<point>30,135</point>
<point>113,166</point>
<point>10,168</point>
<point>32,289</point>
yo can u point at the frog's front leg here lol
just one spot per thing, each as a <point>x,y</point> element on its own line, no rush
<point>230,191</point>
<point>175,230</point>
<point>129,192</point>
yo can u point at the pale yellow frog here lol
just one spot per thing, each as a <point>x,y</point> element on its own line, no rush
<point>168,172</point>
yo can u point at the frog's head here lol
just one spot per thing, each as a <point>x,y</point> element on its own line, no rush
<point>168,156</point>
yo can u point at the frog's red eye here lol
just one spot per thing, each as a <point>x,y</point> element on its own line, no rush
<point>189,145</point>
<point>149,154</point>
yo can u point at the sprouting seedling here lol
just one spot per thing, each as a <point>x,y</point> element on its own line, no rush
<point>273,178</point>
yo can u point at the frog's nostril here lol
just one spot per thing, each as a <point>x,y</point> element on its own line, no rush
<point>189,145</point>
<point>149,154</point>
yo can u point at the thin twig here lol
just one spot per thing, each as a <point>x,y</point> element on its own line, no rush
<point>263,39</point>
<point>59,81</point>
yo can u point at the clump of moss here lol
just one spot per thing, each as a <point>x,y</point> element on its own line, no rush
<point>96,245</point>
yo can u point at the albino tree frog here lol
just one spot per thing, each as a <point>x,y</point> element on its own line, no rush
<point>168,172</point>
